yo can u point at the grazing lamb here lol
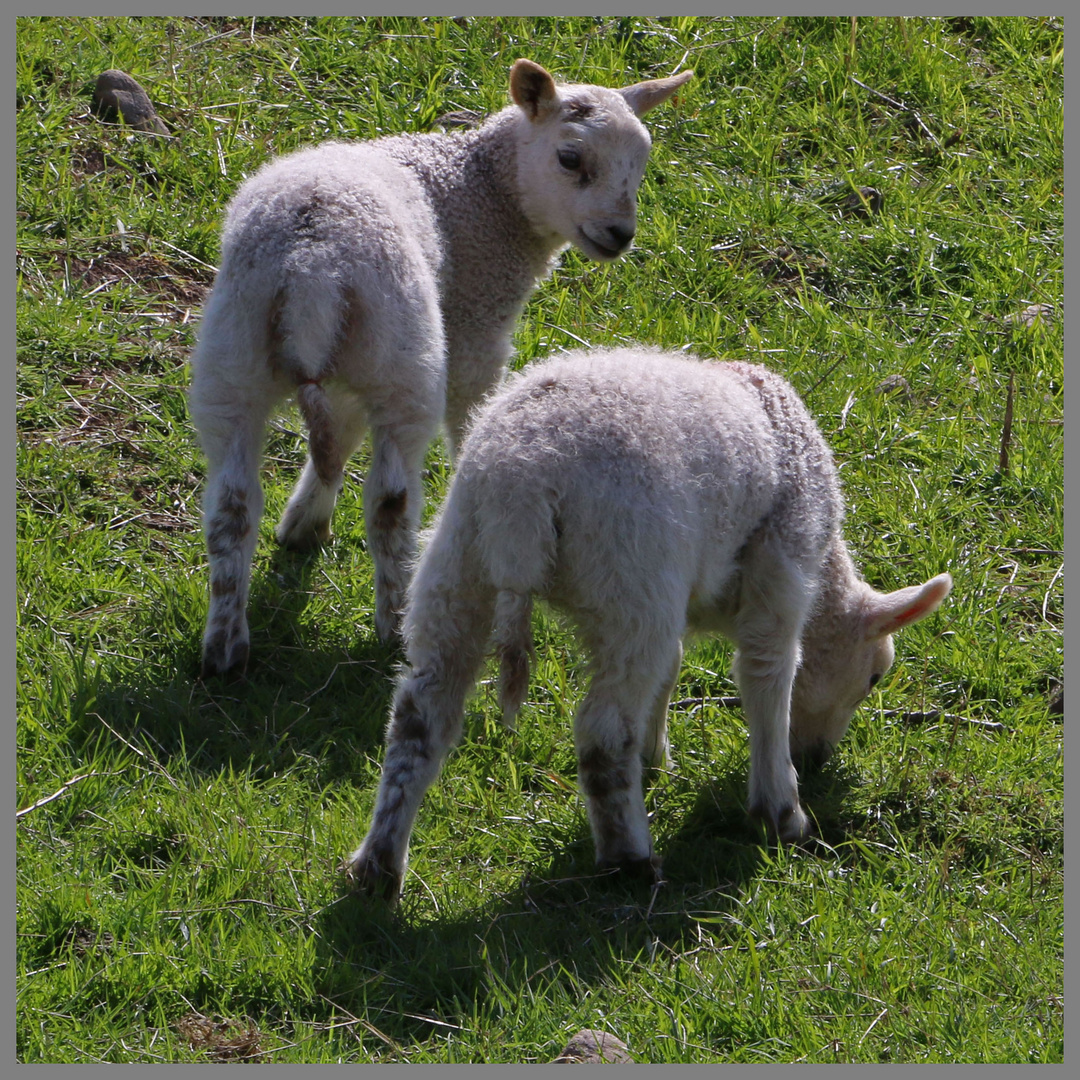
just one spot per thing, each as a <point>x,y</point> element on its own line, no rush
<point>646,495</point>
<point>380,281</point>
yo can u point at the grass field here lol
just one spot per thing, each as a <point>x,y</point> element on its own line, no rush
<point>178,844</point>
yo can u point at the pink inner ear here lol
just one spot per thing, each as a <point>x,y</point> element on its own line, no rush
<point>916,602</point>
<point>643,96</point>
<point>908,615</point>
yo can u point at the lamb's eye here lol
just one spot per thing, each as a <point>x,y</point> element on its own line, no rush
<point>570,160</point>
<point>874,680</point>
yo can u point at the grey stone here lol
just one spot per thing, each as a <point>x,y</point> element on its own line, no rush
<point>590,1047</point>
<point>117,92</point>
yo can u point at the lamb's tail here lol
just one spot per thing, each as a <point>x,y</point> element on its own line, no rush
<point>519,550</point>
<point>489,553</point>
<point>308,326</point>
<point>513,648</point>
<point>325,452</point>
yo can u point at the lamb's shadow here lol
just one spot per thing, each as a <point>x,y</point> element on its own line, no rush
<point>564,919</point>
<point>288,703</point>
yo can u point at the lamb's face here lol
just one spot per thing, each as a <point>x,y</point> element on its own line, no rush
<point>829,686</point>
<point>581,156</point>
<point>845,654</point>
<point>579,170</point>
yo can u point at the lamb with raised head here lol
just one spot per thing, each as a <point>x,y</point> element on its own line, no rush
<point>646,495</point>
<point>380,282</point>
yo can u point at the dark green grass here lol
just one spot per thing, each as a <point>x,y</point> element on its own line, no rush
<point>187,866</point>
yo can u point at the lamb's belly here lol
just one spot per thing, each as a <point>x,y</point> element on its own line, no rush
<point>712,615</point>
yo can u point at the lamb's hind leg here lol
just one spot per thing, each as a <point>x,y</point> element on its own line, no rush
<point>656,752</point>
<point>610,731</point>
<point>231,434</point>
<point>393,496</point>
<point>445,652</point>
<point>393,499</point>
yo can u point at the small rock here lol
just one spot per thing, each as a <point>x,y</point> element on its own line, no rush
<point>117,92</point>
<point>590,1047</point>
<point>1057,701</point>
<point>460,118</point>
<point>863,202</point>
<point>893,384</point>
<point>1032,314</point>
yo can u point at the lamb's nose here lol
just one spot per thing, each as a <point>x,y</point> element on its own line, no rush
<point>620,238</point>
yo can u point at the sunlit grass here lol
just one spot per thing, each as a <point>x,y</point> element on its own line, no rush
<point>179,843</point>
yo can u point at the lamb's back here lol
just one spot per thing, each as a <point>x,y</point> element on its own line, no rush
<point>337,206</point>
<point>647,459</point>
<point>641,416</point>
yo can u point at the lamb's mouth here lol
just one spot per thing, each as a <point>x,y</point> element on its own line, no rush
<point>810,756</point>
<point>591,247</point>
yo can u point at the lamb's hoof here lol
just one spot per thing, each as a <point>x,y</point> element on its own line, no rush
<point>220,660</point>
<point>635,868</point>
<point>369,875</point>
<point>790,826</point>
<point>302,537</point>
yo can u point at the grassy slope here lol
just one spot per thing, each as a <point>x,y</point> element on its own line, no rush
<point>190,866</point>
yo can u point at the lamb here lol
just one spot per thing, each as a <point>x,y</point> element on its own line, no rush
<point>645,495</point>
<point>380,281</point>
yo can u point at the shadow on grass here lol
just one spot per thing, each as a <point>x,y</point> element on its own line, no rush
<point>302,694</point>
<point>564,929</point>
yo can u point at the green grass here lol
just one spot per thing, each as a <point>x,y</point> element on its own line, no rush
<point>188,865</point>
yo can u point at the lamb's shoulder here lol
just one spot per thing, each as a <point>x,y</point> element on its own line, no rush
<point>807,472</point>
<point>787,413</point>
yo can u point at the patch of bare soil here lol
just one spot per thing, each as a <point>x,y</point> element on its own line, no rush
<point>219,1039</point>
<point>150,273</point>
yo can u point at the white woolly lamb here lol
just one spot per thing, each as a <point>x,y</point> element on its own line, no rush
<point>380,281</point>
<point>646,495</point>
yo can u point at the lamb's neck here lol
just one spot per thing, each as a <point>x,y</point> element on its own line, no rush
<point>839,581</point>
<point>479,204</point>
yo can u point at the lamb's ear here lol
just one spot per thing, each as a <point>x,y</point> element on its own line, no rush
<point>643,96</point>
<point>888,612</point>
<point>531,88</point>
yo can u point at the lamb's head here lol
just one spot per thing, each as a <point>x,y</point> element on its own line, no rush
<point>846,649</point>
<point>581,155</point>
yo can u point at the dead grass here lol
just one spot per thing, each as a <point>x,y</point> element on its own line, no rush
<point>218,1038</point>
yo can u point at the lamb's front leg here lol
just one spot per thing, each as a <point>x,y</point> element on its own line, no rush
<point>776,595</point>
<point>476,362</point>
<point>765,684</point>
